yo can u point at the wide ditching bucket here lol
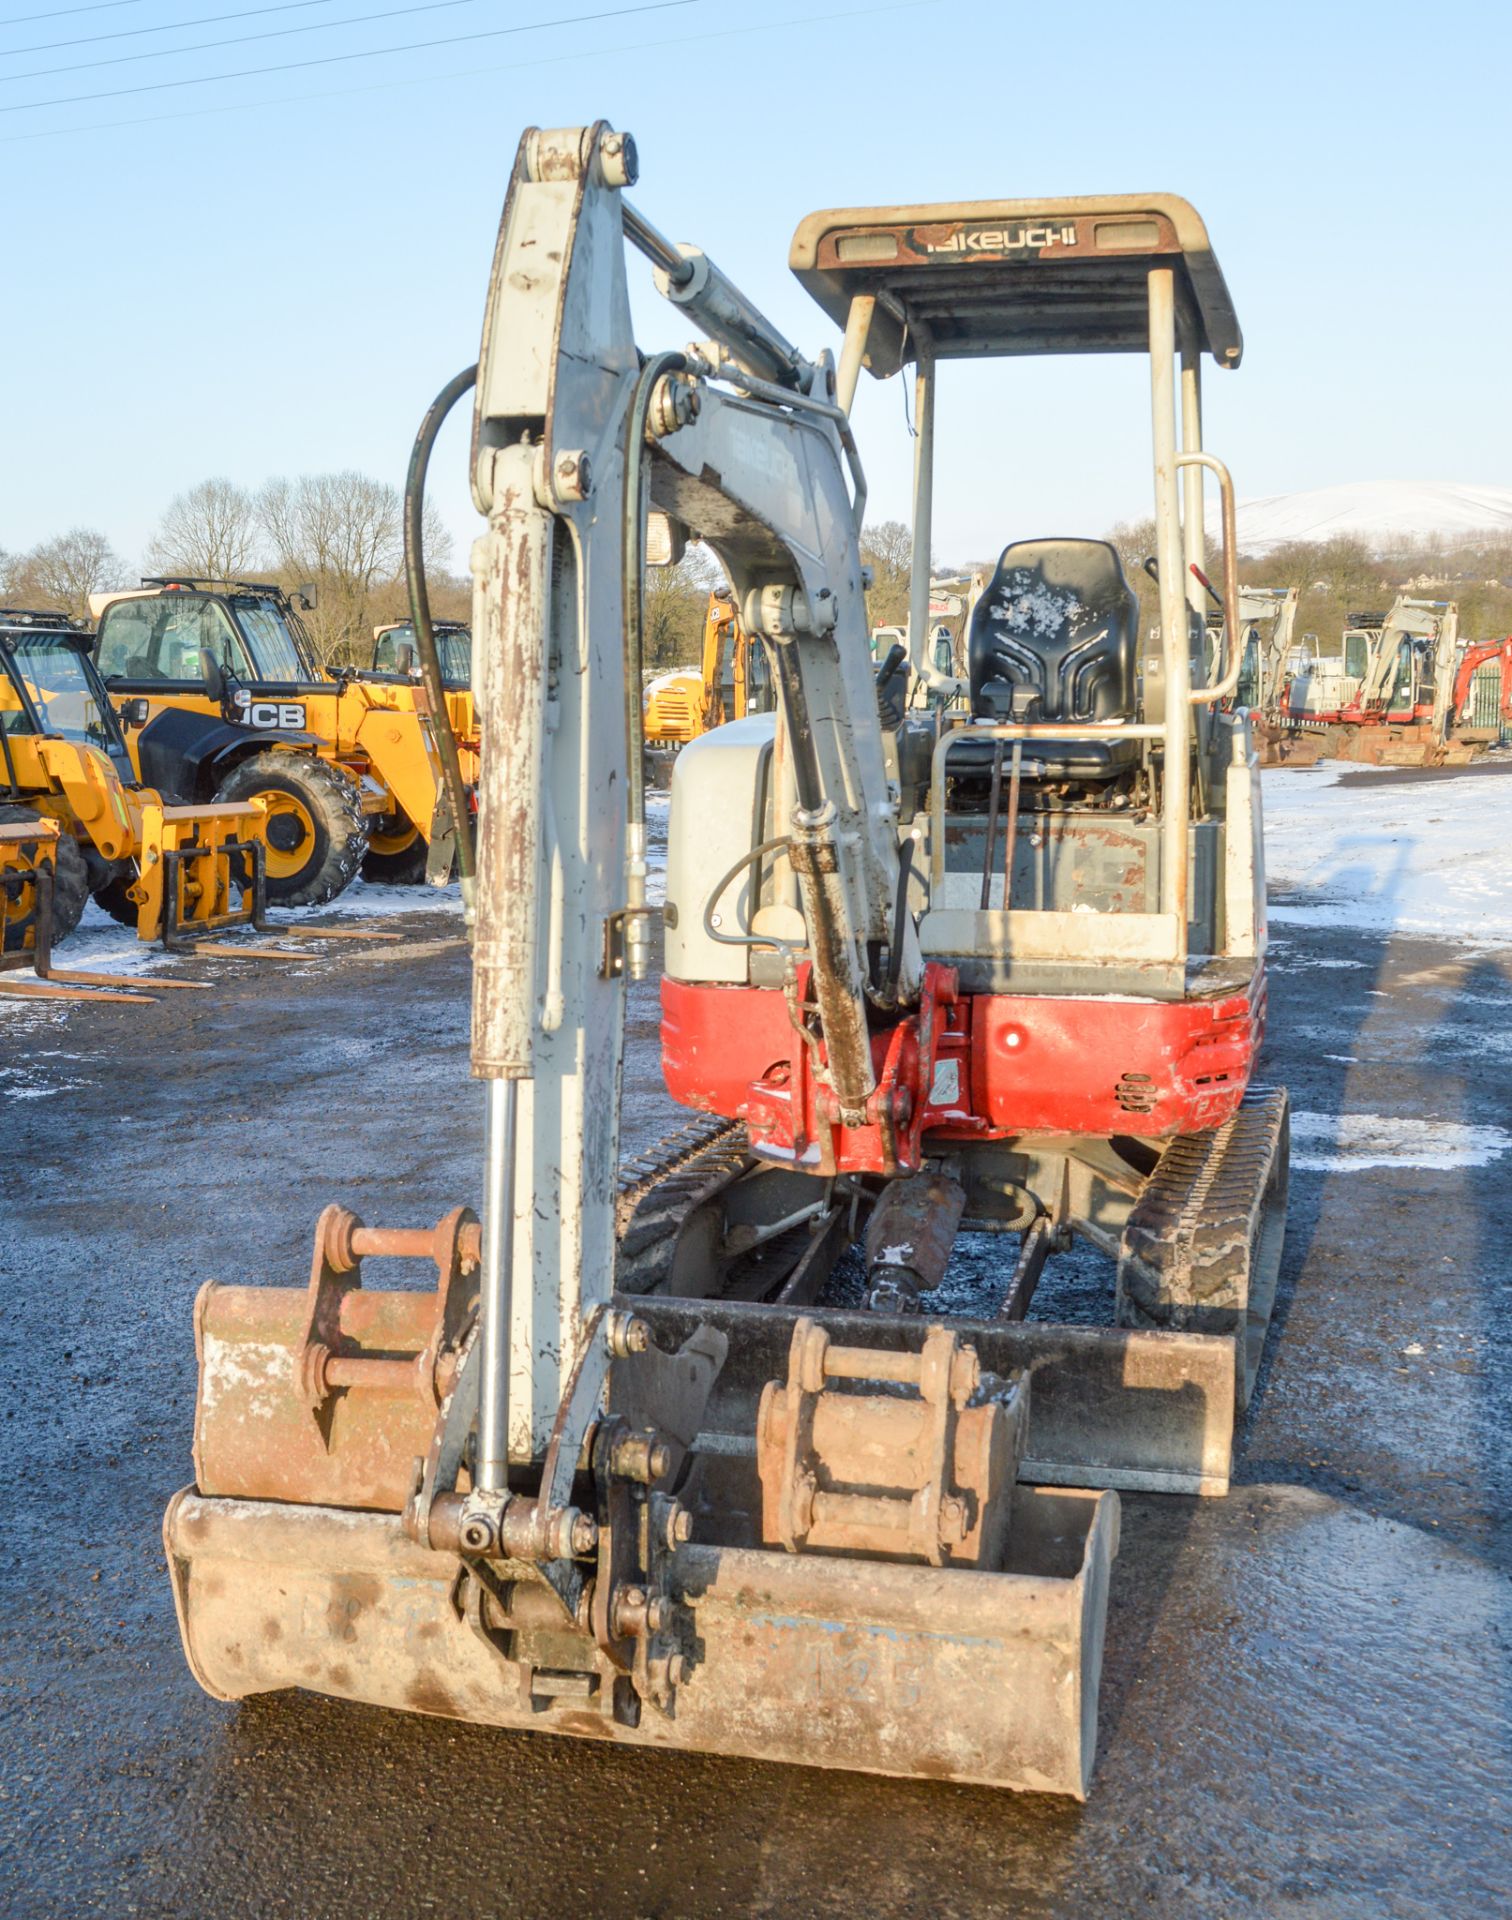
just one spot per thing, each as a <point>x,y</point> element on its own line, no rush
<point>830,1539</point>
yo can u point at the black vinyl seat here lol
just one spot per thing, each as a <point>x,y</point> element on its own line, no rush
<point>1055,637</point>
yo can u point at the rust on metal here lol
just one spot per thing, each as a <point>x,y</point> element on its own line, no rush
<point>924,1672</point>
<point>909,1237</point>
<point>927,1478</point>
<point>330,1395</point>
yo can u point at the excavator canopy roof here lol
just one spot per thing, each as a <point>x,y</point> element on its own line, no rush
<point>983,278</point>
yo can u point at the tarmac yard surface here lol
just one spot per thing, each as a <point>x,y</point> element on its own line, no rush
<point>1305,1701</point>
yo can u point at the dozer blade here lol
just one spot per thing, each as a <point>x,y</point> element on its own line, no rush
<point>989,1678</point>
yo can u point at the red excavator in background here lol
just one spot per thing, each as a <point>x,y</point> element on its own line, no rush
<point>1467,712</point>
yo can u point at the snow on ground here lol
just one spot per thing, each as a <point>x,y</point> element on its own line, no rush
<point>658,813</point>
<point>100,945</point>
<point>1347,1142</point>
<point>1431,856</point>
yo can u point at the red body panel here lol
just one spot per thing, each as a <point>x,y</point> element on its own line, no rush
<point>1002,1064</point>
<point>1354,715</point>
<point>1470,663</point>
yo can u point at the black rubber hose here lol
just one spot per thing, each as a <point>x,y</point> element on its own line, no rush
<point>900,920</point>
<point>420,617</point>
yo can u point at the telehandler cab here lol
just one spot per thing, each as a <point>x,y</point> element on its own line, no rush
<point>396,662</point>
<point>172,872</point>
<point>628,1472</point>
<point>227,678</point>
<point>396,655</point>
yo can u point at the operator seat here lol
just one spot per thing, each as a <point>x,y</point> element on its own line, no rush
<point>1054,637</point>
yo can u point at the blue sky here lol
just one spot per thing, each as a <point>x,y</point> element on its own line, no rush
<point>274,274</point>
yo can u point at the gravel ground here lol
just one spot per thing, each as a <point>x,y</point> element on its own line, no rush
<point>1305,1695</point>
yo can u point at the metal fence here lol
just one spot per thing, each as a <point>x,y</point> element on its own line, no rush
<point>1485,700</point>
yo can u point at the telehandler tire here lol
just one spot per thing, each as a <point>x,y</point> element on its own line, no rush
<point>399,865</point>
<point>317,835</point>
<point>112,896</point>
<point>70,883</point>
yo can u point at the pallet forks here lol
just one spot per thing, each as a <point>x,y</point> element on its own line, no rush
<point>28,869</point>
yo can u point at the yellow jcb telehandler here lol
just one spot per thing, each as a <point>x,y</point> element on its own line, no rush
<point>223,698</point>
<point>396,663</point>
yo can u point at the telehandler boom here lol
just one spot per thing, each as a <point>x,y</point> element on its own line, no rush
<point>708,1509</point>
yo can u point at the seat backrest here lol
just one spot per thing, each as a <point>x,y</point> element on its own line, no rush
<point>1059,624</point>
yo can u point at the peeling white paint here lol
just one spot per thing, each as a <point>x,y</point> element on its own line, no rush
<point>259,1369</point>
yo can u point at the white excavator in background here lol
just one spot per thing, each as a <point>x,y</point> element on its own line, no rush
<point>1388,696</point>
<point>681,1453</point>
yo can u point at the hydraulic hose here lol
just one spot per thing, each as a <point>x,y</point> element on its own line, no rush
<point>425,634</point>
<point>633,588</point>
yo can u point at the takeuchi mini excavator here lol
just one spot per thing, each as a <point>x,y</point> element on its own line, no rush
<point>1268,618</point>
<point>1481,709</point>
<point>695,1451</point>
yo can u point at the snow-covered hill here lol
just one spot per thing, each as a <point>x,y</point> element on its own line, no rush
<point>1376,510</point>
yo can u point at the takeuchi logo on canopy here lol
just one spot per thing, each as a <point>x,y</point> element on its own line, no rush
<point>1016,239</point>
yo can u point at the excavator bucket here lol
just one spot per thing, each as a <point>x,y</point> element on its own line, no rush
<point>848,1571</point>
<point>880,1545</point>
<point>988,1678</point>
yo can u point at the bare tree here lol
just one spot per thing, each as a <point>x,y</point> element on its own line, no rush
<point>209,532</point>
<point>62,573</point>
<point>674,605</point>
<point>887,548</point>
<point>1135,542</point>
<point>345,533</point>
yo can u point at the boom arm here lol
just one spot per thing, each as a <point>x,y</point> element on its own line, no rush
<point>758,470</point>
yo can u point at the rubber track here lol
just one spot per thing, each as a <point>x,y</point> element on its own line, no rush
<point>1187,1245</point>
<point>660,1187</point>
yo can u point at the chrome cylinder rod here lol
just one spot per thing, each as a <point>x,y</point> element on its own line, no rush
<point>496,1294</point>
<point>689,278</point>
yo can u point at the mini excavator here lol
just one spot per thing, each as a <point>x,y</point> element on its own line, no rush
<point>688,1453</point>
